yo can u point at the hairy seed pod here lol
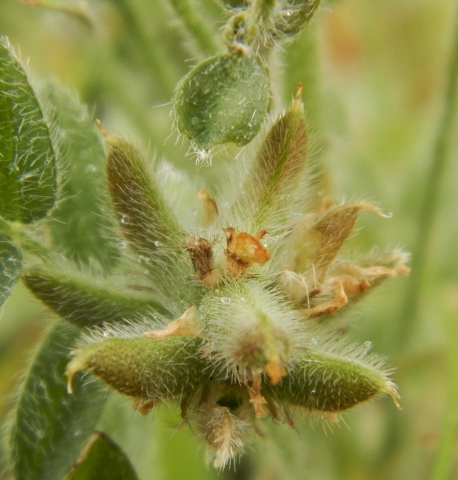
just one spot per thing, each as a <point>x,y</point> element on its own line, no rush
<point>143,368</point>
<point>328,382</point>
<point>222,99</point>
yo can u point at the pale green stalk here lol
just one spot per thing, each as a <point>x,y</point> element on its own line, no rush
<point>193,19</point>
<point>158,66</point>
<point>429,205</point>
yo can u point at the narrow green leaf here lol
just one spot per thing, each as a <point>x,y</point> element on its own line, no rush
<point>222,99</point>
<point>85,301</point>
<point>102,459</point>
<point>10,267</point>
<point>49,426</point>
<point>28,180</point>
<point>81,228</point>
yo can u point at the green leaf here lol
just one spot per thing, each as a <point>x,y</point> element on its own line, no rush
<point>49,426</point>
<point>10,267</point>
<point>222,99</point>
<point>102,459</point>
<point>81,228</point>
<point>85,301</point>
<point>28,178</point>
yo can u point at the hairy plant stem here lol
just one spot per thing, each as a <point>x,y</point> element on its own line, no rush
<point>429,205</point>
<point>78,12</point>
<point>194,22</point>
<point>127,99</point>
<point>157,65</point>
<point>23,239</point>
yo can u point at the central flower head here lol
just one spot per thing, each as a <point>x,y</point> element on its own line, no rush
<point>244,330</point>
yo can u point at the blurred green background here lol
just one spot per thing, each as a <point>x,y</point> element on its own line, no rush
<point>375,77</point>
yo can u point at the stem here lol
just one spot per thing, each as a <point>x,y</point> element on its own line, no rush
<point>430,201</point>
<point>193,20</point>
<point>23,239</point>
<point>128,99</point>
<point>79,12</point>
<point>302,64</point>
<point>157,64</point>
<point>445,455</point>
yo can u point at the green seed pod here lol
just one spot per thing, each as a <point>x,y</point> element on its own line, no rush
<point>331,382</point>
<point>222,99</point>
<point>143,368</point>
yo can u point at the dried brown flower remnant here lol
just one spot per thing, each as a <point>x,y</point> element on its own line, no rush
<point>201,254</point>
<point>244,250</point>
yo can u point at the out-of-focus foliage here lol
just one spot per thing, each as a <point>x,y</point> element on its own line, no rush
<point>374,85</point>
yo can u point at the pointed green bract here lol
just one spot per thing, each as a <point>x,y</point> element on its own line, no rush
<point>268,193</point>
<point>10,266</point>
<point>144,368</point>
<point>86,302</point>
<point>87,236</point>
<point>147,221</point>
<point>222,99</point>
<point>144,217</point>
<point>50,427</point>
<point>102,459</point>
<point>28,178</point>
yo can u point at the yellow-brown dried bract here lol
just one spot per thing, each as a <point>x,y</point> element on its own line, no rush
<point>187,325</point>
<point>244,250</point>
